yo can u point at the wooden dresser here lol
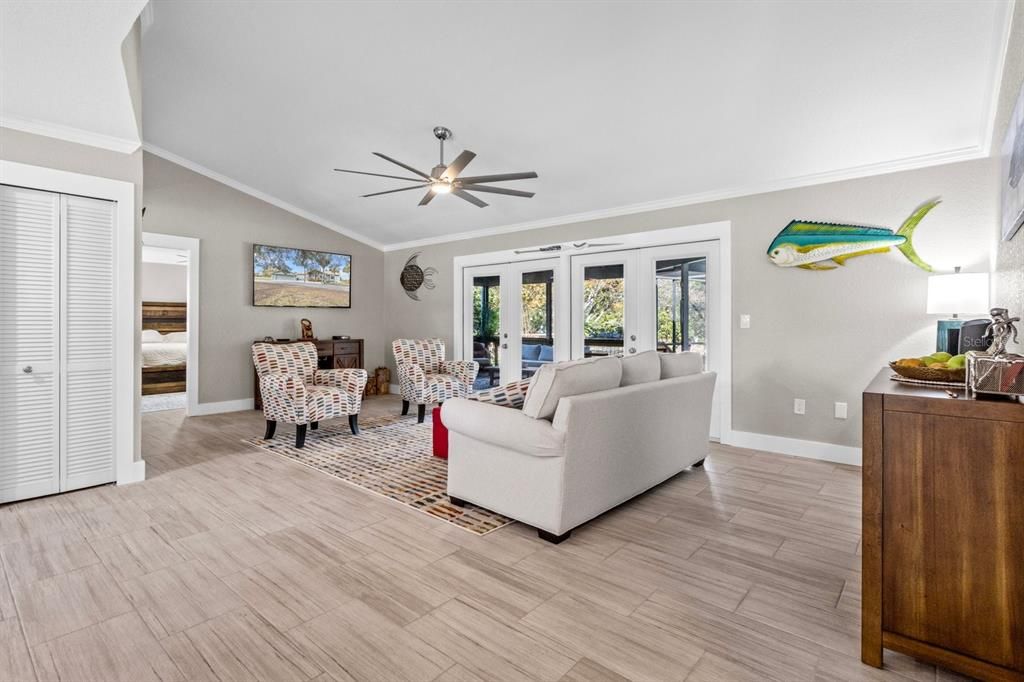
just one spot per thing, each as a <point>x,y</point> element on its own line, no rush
<point>341,354</point>
<point>943,566</point>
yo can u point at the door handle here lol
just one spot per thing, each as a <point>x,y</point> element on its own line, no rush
<point>27,369</point>
<point>504,345</point>
<point>632,350</point>
<point>632,337</point>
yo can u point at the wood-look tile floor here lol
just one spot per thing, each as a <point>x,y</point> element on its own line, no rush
<point>230,563</point>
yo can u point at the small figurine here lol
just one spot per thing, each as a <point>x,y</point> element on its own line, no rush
<point>307,329</point>
<point>1001,329</point>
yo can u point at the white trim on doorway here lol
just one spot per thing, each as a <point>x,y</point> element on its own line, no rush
<point>129,466</point>
<point>191,246</point>
<point>720,231</point>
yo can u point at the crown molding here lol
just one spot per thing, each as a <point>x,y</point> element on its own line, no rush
<point>262,196</point>
<point>70,134</point>
<point>909,163</point>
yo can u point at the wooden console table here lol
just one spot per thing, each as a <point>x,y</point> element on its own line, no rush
<point>943,566</point>
<point>341,354</point>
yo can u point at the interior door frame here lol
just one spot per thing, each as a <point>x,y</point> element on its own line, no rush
<point>191,245</point>
<point>527,250</point>
<point>128,464</point>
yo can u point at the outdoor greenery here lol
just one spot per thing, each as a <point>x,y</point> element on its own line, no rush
<point>604,306</point>
<point>494,315</point>
<point>669,296</point>
<point>270,260</point>
<point>535,322</point>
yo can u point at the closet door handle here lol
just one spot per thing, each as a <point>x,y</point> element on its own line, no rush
<point>27,369</point>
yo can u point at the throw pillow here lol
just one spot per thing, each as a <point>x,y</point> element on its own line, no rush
<point>641,368</point>
<point>559,380</point>
<point>681,364</point>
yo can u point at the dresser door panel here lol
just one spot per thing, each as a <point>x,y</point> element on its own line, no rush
<point>953,534</point>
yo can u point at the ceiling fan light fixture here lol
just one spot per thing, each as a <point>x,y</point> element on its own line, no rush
<point>441,187</point>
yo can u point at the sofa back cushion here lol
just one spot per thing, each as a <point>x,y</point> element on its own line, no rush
<point>531,351</point>
<point>547,354</point>
<point>558,380</point>
<point>680,364</point>
<point>641,368</point>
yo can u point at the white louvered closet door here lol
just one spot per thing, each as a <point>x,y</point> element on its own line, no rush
<point>29,334</point>
<point>87,307</point>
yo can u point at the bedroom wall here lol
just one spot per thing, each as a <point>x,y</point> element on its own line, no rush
<point>164,282</point>
<point>820,336</point>
<point>228,222</point>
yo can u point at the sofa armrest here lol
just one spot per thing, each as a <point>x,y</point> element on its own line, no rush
<point>463,370</point>
<point>503,427</point>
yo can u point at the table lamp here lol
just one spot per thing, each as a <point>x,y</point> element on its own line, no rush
<point>953,294</point>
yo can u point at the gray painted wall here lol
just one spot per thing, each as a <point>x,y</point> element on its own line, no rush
<point>163,282</point>
<point>820,336</point>
<point>1009,265</point>
<point>228,222</point>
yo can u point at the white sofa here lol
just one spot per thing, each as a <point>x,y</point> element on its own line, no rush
<point>590,435</point>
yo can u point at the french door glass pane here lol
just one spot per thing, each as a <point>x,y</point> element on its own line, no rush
<point>486,326</point>
<point>604,309</point>
<point>681,293</point>
<point>538,319</point>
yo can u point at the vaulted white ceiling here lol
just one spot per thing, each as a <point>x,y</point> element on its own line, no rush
<point>61,70</point>
<point>612,103</point>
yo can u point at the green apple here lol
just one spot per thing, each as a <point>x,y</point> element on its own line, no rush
<point>957,362</point>
<point>941,356</point>
<point>927,360</point>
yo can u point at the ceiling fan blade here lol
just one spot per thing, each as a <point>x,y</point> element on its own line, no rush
<point>399,163</point>
<point>496,190</point>
<point>457,166</point>
<point>498,178</point>
<point>427,198</point>
<point>466,196</point>
<point>377,175</point>
<point>392,191</point>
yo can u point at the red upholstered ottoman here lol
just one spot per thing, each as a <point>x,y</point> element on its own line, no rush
<point>440,435</point>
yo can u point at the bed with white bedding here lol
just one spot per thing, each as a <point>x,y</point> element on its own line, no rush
<point>164,348</point>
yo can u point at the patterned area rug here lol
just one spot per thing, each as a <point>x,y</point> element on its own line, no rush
<point>391,457</point>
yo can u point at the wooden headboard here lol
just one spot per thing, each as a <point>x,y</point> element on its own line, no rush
<point>164,317</point>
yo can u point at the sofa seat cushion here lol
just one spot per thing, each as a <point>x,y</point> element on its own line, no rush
<point>681,364</point>
<point>554,381</point>
<point>641,368</point>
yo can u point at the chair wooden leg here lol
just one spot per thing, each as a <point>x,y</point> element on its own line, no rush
<point>405,407</point>
<point>271,426</point>
<point>314,425</point>
<point>421,413</point>
<point>353,423</point>
<point>300,435</point>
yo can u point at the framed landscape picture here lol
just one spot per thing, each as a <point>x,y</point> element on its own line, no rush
<point>300,278</point>
<point>1013,171</point>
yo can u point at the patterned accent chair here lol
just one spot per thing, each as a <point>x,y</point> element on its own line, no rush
<point>424,376</point>
<point>296,392</point>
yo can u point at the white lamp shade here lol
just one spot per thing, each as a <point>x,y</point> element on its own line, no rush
<point>963,292</point>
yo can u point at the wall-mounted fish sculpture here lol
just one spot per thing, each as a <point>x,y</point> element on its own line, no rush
<point>825,246</point>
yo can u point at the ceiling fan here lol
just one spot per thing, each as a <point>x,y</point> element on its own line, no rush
<point>445,179</point>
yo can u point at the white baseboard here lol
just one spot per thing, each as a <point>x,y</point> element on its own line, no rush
<point>394,388</point>
<point>137,473</point>
<point>828,452</point>
<point>225,406</point>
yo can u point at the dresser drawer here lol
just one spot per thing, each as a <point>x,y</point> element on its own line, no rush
<point>346,348</point>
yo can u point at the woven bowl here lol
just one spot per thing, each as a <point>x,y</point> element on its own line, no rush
<point>931,373</point>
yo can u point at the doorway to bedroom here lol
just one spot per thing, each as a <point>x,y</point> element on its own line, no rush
<point>167,376</point>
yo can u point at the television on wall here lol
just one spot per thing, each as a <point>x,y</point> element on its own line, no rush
<point>300,278</point>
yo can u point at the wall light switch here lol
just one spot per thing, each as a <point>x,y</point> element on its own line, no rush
<point>840,410</point>
<point>744,321</point>
<point>799,406</point>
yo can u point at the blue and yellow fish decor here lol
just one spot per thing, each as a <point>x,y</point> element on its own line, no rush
<point>825,246</point>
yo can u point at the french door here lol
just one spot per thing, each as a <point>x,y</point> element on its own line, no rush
<point>512,319</point>
<point>663,298</point>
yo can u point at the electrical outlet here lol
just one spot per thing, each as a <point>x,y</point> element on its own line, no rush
<point>744,321</point>
<point>799,406</point>
<point>840,410</point>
